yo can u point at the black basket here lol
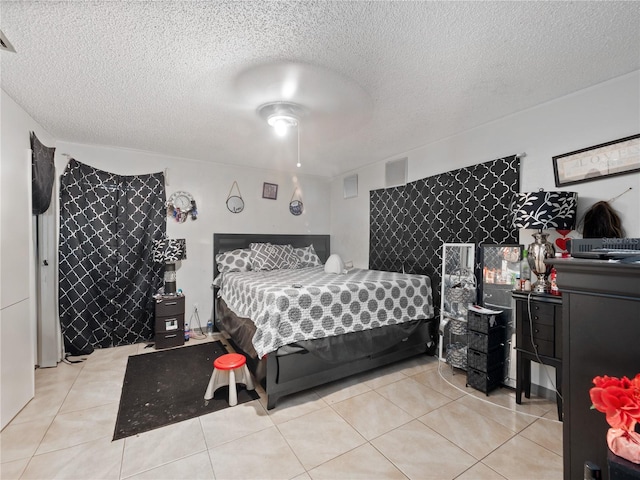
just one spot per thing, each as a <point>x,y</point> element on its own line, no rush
<point>485,361</point>
<point>457,327</point>
<point>482,322</point>
<point>484,342</point>
<point>485,381</point>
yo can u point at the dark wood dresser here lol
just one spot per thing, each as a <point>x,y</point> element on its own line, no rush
<point>601,336</point>
<point>538,339</point>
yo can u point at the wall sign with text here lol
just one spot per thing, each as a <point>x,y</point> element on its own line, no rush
<point>600,161</point>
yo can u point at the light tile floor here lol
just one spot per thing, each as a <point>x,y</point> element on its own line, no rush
<point>404,421</point>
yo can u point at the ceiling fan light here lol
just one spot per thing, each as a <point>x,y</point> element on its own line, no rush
<point>281,129</point>
<point>282,123</point>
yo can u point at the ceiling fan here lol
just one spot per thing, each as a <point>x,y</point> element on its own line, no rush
<point>323,103</point>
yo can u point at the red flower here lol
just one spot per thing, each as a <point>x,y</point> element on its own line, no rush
<point>618,399</point>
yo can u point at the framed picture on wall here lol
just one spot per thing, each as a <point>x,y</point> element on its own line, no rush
<point>270,191</point>
<point>600,161</point>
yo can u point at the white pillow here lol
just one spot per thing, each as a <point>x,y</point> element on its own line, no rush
<point>334,264</point>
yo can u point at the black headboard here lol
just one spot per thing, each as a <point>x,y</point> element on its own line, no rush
<point>223,242</point>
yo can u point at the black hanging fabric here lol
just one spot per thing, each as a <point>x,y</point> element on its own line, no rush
<point>387,224</point>
<point>107,277</point>
<point>42,175</point>
<point>409,224</point>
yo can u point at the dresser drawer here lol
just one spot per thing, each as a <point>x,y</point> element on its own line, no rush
<point>541,313</point>
<point>174,338</point>
<point>168,306</point>
<point>544,347</point>
<point>540,331</point>
<point>169,323</point>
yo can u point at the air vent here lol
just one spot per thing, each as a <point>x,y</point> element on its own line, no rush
<point>396,172</point>
<point>5,44</point>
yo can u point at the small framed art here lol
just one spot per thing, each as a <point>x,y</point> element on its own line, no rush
<point>270,191</point>
<point>612,158</point>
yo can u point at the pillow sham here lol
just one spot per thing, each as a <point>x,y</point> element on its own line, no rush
<point>307,257</point>
<point>238,260</point>
<point>265,256</point>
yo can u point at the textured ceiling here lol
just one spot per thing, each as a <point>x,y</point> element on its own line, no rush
<point>378,78</point>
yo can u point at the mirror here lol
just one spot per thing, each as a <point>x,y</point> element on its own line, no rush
<point>235,204</point>
<point>296,207</point>
<point>458,290</point>
<point>500,268</point>
<point>500,271</point>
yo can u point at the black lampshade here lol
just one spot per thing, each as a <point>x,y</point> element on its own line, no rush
<point>542,210</point>
<point>169,250</point>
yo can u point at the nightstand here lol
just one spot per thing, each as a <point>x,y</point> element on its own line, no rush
<point>538,339</point>
<point>169,321</point>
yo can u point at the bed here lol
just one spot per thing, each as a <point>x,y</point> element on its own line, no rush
<point>300,327</point>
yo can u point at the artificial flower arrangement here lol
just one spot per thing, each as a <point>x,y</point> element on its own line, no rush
<point>619,400</point>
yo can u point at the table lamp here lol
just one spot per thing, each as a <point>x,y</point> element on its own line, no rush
<point>169,251</point>
<point>542,210</point>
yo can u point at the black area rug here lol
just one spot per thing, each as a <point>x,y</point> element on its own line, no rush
<point>167,387</point>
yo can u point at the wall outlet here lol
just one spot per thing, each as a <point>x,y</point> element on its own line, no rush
<point>195,306</point>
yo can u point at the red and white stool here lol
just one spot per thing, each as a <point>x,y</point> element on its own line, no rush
<point>225,370</point>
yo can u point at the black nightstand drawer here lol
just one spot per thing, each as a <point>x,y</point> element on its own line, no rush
<point>169,323</point>
<point>170,306</point>
<point>174,338</point>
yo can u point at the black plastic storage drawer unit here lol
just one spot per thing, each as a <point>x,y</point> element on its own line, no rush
<point>169,321</point>
<point>485,352</point>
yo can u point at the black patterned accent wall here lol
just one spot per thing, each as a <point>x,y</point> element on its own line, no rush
<point>386,246</point>
<point>409,224</point>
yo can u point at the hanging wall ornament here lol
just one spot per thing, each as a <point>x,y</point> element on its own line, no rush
<point>295,206</point>
<point>180,205</point>
<point>235,204</point>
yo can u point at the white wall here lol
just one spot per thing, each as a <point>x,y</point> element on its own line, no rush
<point>599,114</point>
<point>589,117</point>
<point>209,183</point>
<point>17,312</point>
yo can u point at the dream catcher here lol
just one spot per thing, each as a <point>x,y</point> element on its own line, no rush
<point>180,206</point>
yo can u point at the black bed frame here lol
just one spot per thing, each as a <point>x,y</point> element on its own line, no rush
<point>291,373</point>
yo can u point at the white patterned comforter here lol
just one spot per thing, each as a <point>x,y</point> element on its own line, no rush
<point>292,305</point>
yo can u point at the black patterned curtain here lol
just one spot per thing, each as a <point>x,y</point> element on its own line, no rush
<point>468,205</point>
<point>107,277</point>
<point>387,225</point>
